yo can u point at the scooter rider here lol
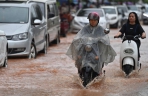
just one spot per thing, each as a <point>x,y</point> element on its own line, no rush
<point>106,53</point>
<point>93,21</point>
<point>132,27</point>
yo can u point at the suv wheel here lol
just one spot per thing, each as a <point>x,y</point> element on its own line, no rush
<point>46,44</point>
<point>5,62</point>
<point>57,41</point>
<point>33,52</point>
<point>119,24</point>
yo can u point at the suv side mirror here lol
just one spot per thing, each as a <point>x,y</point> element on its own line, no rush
<point>36,22</point>
<point>106,31</point>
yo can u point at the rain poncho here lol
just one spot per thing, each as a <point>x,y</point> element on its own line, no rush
<point>100,44</point>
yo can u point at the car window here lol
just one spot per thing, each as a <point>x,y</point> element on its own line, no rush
<point>33,12</point>
<point>51,8</point>
<point>42,7</point>
<point>14,14</point>
<point>133,8</point>
<point>86,12</point>
<point>56,9</point>
<point>123,8</point>
<point>146,9</point>
<point>110,10</point>
<point>39,13</point>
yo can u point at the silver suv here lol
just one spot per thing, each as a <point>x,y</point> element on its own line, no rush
<point>25,29</point>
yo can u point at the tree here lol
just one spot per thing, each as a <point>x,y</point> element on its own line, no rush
<point>145,1</point>
<point>134,1</point>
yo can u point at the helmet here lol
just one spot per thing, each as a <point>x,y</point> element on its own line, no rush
<point>94,15</point>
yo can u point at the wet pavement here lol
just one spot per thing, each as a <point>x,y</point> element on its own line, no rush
<point>54,74</point>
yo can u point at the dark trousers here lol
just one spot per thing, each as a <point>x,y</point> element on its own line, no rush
<point>138,45</point>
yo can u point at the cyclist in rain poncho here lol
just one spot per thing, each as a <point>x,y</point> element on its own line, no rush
<point>102,52</point>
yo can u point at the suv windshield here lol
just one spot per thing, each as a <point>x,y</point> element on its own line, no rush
<point>110,10</point>
<point>134,8</point>
<point>123,8</point>
<point>13,14</point>
<point>85,13</point>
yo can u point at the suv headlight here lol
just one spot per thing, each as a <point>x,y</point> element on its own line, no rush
<point>21,36</point>
<point>129,51</point>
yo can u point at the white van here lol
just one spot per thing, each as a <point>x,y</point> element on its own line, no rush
<point>51,13</point>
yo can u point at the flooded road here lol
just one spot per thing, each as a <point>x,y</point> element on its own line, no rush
<point>54,74</point>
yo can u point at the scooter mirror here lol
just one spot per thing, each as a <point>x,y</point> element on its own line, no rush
<point>106,31</point>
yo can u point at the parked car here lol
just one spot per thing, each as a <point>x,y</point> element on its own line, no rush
<point>80,19</point>
<point>134,8</point>
<point>145,16</point>
<point>113,15</point>
<point>124,11</point>
<point>50,11</point>
<point>3,49</point>
<point>25,28</point>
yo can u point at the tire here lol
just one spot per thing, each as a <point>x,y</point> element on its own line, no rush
<point>127,69</point>
<point>46,44</point>
<point>64,34</point>
<point>33,52</point>
<point>117,25</point>
<point>6,60</point>
<point>57,41</point>
<point>49,40</point>
<point>86,79</point>
<point>87,75</point>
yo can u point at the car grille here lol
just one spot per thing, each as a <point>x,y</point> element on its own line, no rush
<point>9,37</point>
<point>15,50</point>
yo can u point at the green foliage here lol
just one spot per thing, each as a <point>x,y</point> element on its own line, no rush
<point>125,0</point>
<point>145,1</point>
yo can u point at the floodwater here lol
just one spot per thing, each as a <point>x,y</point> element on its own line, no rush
<point>55,74</point>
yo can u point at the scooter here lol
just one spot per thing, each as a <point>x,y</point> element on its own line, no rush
<point>88,52</point>
<point>87,73</point>
<point>129,55</point>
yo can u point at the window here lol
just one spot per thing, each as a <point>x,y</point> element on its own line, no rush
<point>14,14</point>
<point>42,6</point>
<point>85,13</point>
<point>33,13</point>
<point>39,12</point>
<point>51,8</point>
<point>56,10</point>
<point>110,10</point>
